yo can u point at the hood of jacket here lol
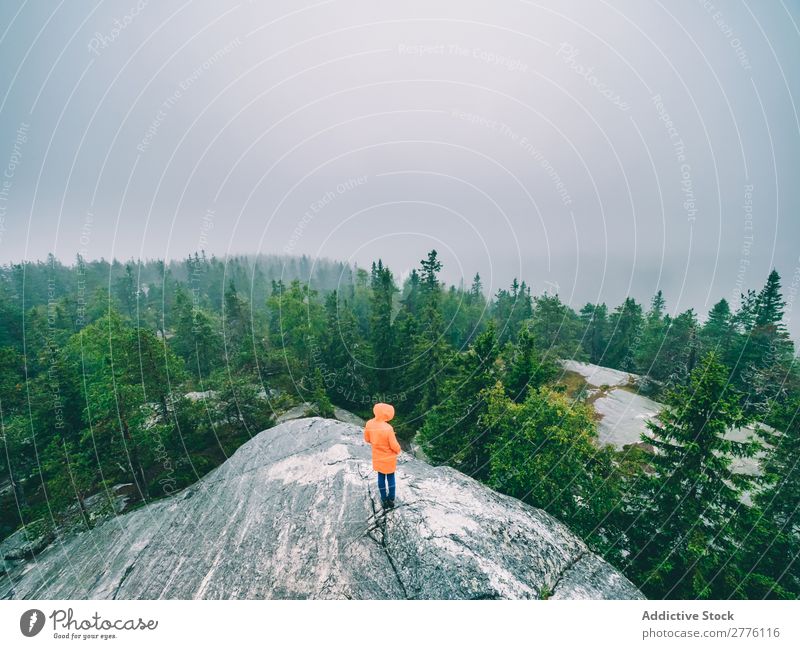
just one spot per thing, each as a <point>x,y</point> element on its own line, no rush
<point>383,411</point>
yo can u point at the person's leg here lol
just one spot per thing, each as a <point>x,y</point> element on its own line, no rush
<point>390,479</point>
<point>382,485</point>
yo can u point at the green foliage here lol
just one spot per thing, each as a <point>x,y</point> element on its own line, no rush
<point>452,432</point>
<point>682,528</point>
<point>625,327</point>
<point>718,331</point>
<point>527,368</point>
<point>544,451</point>
<point>772,527</point>
<point>322,405</point>
<point>429,350</point>
<point>511,308</point>
<point>381,329</point>
<point>153,373</point>
<point>594,320</point>
<point>556,328</point>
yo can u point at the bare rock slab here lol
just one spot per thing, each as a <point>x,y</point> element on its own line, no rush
<point>294,513</point>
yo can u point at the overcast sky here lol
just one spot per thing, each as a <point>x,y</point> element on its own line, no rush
<point>598,149</point>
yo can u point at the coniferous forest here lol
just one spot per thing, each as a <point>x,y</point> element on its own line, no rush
<point>141,377</point>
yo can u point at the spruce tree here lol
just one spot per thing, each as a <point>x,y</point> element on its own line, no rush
<point>681,530</point>
<point>544,451</point>
<point>768,352</point>
<point>770,303</point>
<point>452,433</point>
<point>652,339</point>
<point>556,327</point>
<point>717,332</point>
<point>625,328</point>
<point>771,554</point>
<point>527,368</point>
<point>476,290</point>
<point>345,358</point>
<point>594,319</point>
<point>430,350</point>
<point>381,331</point>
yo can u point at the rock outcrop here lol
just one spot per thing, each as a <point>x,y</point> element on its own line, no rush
<point>623,413</point>
<point>294,514</point>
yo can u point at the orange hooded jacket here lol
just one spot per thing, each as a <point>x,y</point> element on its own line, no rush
<point>380,434</point>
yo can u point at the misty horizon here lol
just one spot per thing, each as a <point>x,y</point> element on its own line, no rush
<point>447,279</point>
<point>601,151</point>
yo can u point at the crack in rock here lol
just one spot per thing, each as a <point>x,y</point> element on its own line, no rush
<point>578,557</point>
<point>293,513</point>
<point>381,524</point>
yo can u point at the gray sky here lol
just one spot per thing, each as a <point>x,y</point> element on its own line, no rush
<point>602,149</point>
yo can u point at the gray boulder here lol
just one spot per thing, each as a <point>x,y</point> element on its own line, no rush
<point>294,513</point>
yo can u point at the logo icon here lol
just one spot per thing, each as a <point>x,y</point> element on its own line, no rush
<point>31,622</point>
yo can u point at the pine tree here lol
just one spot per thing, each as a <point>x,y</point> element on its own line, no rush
<point>652,339</point>
<point>544,452</point>
<point>527,368</point>
<point>430,349</point>
<point>768,352</point>
<point>381,330</point>
<point>321,403</point>
<point>770,556</point>
<point>681,528</point>
<point>510,309</point>
<point>556,327</point>
<point>625,328</point>
<point>452,433</point>
<point>594,318</point>
<point>718,331</point>
<point>412,294</point>
<point>770,304</point>
<point>476,290</point>
<point>345,358</point>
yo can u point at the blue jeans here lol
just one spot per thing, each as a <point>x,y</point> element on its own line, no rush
<point>383,478</point>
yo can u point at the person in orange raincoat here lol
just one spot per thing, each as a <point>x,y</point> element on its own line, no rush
<point>385,449</point>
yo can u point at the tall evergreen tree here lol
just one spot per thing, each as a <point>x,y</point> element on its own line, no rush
<point>652,339</point>
<point>718,330</point>
<point>681,530</point>
<point>381,330</point>
<point>430,350</point>
<point>527,367</point>
<point>625,328</point>
<point>594,318</point>
<point>556,328</point>
<point>544,452</point>
<point>771,351</point>
<point>770,556</point>
<point>452,433</point>
<point>345,359</point>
